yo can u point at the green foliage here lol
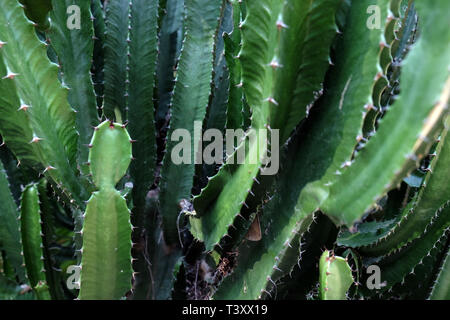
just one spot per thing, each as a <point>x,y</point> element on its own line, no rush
<point>356,90</point>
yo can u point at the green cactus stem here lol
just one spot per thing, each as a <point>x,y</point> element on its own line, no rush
<point>106,253</point>
<point>335,277</point>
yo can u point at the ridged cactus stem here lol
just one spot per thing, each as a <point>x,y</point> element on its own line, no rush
<point>335,277</point>
<point>30,221</point>
<point>106,270</point>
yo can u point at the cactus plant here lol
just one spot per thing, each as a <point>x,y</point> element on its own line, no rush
<point>326,122</point>
<point>335,277</point>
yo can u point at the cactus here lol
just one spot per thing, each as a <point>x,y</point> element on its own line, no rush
<point>30,221</point>
<point>335,277</point>
<point>106,260</point>
<point>354,93</point>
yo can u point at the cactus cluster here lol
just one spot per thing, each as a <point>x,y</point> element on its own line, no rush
<point>342,189</point>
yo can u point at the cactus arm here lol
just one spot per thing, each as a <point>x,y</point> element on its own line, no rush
<point>143,51</point>
<point>9,227</point>
<point>116,59</point>
<point>216,111</point>
<point>433,194</point>
<point>30,223</point>
<point>98,57</point>
<point>110,154</point>
<point>31,235</point>
<point>423,97</point>
<point>170,42</point>
<point>335,277</point>
<point>351,94</point>
<point>260,42</point>
<point>189,105</point>
<point>106,253</point>
<point>441,288</point>
<point>141,126</point>
<point>45,100</point>
<point>74,49</point>
<point>37,11</point>
<point>303,59</point>
<point>232,42</point>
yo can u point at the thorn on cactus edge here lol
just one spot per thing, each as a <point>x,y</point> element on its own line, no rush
<point>48,168</point>
<point>35,139</point>
<point>281,25</point>
<point>10,75</point>
<point>23,107</point>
